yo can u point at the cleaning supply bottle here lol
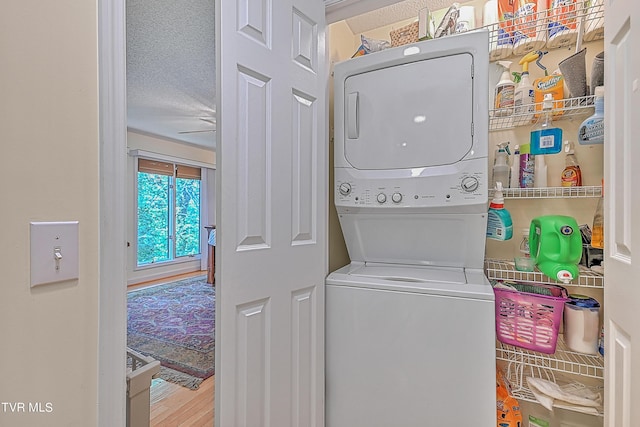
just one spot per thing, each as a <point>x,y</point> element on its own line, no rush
<point>524,93</point>
<point>514,181</point>
<point>501,165</point>
<point>540,171</point>
<point>597,230</point>
<point>499,223</point>
<point>525,250</point>
<point>545,137</point>
<point>591,131</point>
<point>504,91</point>
<point>571,175</point>
<point>527,167</point>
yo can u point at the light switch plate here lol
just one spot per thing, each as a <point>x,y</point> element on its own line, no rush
<point>47,238</point>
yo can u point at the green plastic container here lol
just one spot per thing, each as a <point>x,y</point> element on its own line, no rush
<point>556,246</point>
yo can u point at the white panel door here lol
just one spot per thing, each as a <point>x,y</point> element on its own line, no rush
<point>622,234</point>
<point>272,212</point>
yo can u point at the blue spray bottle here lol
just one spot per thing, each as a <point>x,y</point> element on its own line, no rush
<point>499,224</point>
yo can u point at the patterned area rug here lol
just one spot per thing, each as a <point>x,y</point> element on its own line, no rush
<point>175,324</point>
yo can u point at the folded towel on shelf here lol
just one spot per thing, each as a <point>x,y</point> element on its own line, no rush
<point>574,396</point>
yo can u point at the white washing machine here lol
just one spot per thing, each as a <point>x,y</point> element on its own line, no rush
<point>410,335</point>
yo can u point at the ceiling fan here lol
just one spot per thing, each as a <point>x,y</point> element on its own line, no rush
<point>211,121</point>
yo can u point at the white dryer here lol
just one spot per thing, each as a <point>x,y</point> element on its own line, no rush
<point>410,336</point>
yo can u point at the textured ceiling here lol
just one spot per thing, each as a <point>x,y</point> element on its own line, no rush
<point>171,69</point>
<point>171,63</point>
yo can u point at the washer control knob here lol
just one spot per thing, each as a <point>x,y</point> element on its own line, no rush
<point>345,188</point>
<point>381,198</point>
<point>396,197</point>
<point>470,184</point>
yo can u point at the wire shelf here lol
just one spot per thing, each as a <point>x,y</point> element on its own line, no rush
<point>563,360</point>
<point>505,270</point>
<point>522,363</point>
<point>588,22</point>
<point>551,192</point>
<point>566,109</point>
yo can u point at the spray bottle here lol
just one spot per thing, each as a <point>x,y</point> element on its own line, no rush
<point>524,92</point>
<point>504,92</point>
<point>501,167</point>
<point>499,223</point>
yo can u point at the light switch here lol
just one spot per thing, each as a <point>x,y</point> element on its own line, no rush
<point>54,252</point>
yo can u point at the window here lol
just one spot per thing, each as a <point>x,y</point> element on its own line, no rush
<point>168,212</point>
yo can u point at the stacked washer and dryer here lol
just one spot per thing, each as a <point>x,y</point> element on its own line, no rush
<point>410,322</point>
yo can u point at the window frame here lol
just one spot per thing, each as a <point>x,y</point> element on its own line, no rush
<point>173,260</point>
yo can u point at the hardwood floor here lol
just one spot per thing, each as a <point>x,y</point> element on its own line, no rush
<point>176,406</point>
<point>173,405</point>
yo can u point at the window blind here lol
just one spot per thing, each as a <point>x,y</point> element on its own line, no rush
<point>187,172</point>
<point>155,167</point>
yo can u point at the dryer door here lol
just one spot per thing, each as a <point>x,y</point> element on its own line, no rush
<point>413,115</point>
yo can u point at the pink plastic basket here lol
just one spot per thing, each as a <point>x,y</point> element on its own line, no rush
<point>530,316</point>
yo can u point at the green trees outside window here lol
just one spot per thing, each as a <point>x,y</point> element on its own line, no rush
<point>168,212</point>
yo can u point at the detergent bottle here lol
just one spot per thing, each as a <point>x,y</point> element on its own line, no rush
<point>501,167</point>
<point>499,223</point>
<point>524,92</point>
<point>597,230</point>
<point>555,243</point>
<point>545,137</point>
<point>504,92</point>
<point>591,131</point>
<point>571,175</point>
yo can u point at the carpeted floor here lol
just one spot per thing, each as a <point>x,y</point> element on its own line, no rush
<point>175,324</point>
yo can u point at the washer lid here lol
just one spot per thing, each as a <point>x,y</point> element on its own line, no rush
<point>444,281</point>
<point>400,273</point>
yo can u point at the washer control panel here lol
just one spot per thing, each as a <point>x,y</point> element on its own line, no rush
<point>459,189</point>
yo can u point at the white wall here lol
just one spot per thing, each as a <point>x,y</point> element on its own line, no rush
<point>179,152</point>
<point>49,140</point>
<point>342,44</point>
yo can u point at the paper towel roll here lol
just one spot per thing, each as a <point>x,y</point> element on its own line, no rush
<point>466,19</point>
<point>563,23</point>
<point>594,20</point>
<point>501,43</point>
<point>530,26</point>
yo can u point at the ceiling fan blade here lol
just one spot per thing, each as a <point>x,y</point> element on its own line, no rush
<point>197,131</point>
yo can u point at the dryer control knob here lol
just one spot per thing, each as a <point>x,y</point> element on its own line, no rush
<point>381,198</point>
<point>345,188</point>
<point>470,184</point>
<point>396,197</point>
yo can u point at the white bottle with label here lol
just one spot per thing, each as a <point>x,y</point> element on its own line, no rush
<point>540,172</point>
<point>501,167</point>
<point>515,168</point>
<point>504,92</point>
